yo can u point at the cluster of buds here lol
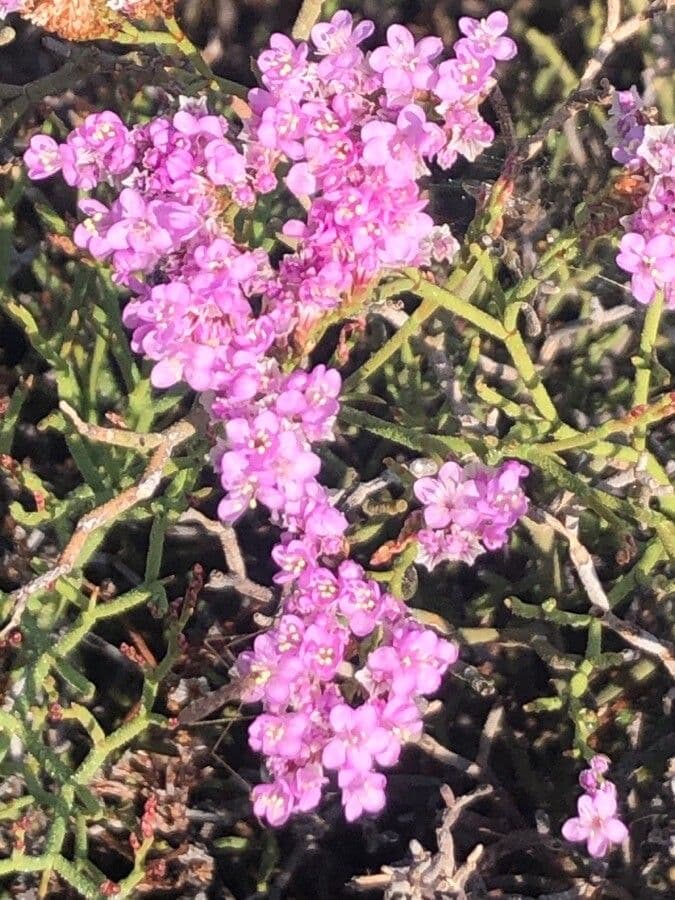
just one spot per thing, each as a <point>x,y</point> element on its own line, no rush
<point>19,829</point>
<point>148,823</point>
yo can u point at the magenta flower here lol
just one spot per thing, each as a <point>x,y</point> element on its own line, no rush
<point>224,163</point>
<point>273,802</point>
<point>323,650</point>
<point>292,558</point>
<point>43,157</point>
<point>278,735</point>
<point>439,246</point>
<point>400,147</point>
<point>361,603</point>
<point>283,65</point>
<point>439,494</point>
<point>405,66</point>
<point>651,263</point>
<point>468,510</point>
<point>485,36</point>
<point>90,233</point>
<point>362,792</point>
<point>307,783</point>
<point>657,148</point>
<point>340,37</point>
<point>626,127</point>
<point>359,738</point>
<point>10,6</point>
<point>597,822</point>
<point>351,135</point>
<point>591,779</point>
<point>402,716</point>
<point>465,76</point>
<point>423,658</point>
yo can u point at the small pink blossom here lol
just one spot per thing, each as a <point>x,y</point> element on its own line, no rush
<point>362,792</point>
<point>596,823</point>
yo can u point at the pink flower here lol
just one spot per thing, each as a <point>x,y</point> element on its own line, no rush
<point>273,802</point>
<point>359,739</point>
<point>484,36</point>
<point>43,157</point>
<point>323,650</point>
<point>307,783</point>
<point>596,823</point>
<point>651,263</point>
<point>284,64</point>
<point>361,792</point>
<point>468,510</point>
<point>10,6</point>
<point>360,602</point>
<point>591,779</point>
<point>440,245</point>
<point>657,148</point>
<point>404,65</point>
<point>339,37</point>
<point>278,735</point>
<point>423,658</point>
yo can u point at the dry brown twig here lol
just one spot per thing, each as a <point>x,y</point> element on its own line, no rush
<point>431,875</point>
<point>225,534</point>
<point>163,444</point>
<point>615,33</point>
<point>583,563</point>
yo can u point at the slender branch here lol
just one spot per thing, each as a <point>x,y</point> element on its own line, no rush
<point>615,34</point>
<point>74,553</point>
<point>588,576</point>
<point>227,537</point>
<point>434,298</point>
<point>203,707</point>
<point>175,38</point>
<point>637,420</point>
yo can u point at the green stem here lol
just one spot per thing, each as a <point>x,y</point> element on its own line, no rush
<point>433,298</point>
<point>655,412</point>
<point>522,361</point>
<point>406,437</point>
<point>306,19</point>
<point>652,556</point>
<point>410,327</point>
<point>175,37</point>
<point>100,752</point>
<point>643,364</point>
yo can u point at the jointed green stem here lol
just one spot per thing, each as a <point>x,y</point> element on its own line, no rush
<point>643,372</point>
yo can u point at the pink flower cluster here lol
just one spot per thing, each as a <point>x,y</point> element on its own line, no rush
<point>356,131</point>
<point>319,652</point>
<point>468,510</point>
<point>596,823</point>
<point>342,674</point>
<point>647,250</point>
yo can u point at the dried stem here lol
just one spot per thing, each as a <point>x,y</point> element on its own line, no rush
<point>588,576</point>
<point>615,34</point>
<point>227,537</point>
<point>74,553</point>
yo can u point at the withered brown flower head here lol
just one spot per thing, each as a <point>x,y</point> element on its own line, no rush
<point>86,20</point>
<point>74,20</point>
